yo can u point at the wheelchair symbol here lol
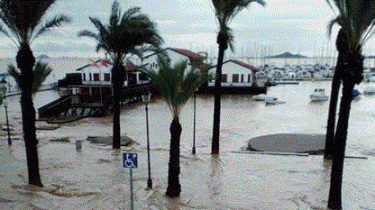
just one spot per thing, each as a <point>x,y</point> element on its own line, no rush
<point>130,160</point>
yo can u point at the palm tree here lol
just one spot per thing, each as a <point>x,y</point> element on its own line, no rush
<point>356,19</point>
<point>22,21</point>
<point>225,11</point>
<point>175,87</point>
<point>342,48</point>
<point>123,35</point>
<point>40,73</point>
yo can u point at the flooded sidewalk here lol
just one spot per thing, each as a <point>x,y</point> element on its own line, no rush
<point>94,178</point>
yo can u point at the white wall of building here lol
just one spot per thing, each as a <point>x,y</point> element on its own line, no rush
<point>95,75</point>
<point>236,75</point>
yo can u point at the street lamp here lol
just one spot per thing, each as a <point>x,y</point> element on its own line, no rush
<point>195,108</point>
<point>6,116</point>
<point>146,99</point>
<point>3,87</point>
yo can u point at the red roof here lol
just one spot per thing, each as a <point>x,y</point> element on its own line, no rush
<point>191,55</point>
<point>253,68</point>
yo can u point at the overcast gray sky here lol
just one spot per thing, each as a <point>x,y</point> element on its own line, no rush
<point>297,26</point>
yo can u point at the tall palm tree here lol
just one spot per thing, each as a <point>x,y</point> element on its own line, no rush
<point>225,11</point>
<point>22,23</point>
<point>342,48</point>
<point>175,86</point>
<point>356,19</point>
<point>123,35</point>
<point>41,71</point>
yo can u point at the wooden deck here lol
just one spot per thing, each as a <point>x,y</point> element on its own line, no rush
<point>93,101</point>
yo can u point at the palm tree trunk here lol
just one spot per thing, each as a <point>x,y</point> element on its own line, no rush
<point>25,62</point>
<point>334,200</point>
<point>174,187</point>
<point>222,41</point>
<point>116,107</point>
<point>330,135</point>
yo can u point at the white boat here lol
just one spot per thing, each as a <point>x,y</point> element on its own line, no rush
<point>262,97</point>
<point>319,95</point>
<point>369,90</point>
<point>271,100</point>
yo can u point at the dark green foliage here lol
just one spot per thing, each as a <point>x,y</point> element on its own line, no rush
<point>22,23</point>
<point>175,86</point>
<point>127,33</point>
<point>40,73</point>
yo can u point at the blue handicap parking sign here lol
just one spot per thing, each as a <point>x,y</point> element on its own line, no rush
<point>130,160</point>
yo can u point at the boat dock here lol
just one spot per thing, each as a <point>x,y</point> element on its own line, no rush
<point>93,101</point>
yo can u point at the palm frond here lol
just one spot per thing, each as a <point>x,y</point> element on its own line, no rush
<point>331,24</point>
<point>55,22</point>
<point>13,72</point>
<point>357,18</point>
<point>226,10</point>
<point>40,72</point>
<point>88,34</point>
<point>5,32</point>
<point>24,17</point>
<point>129,14</point>
<point>174,84</point>
<point>124,34</point>
<point>115,15</point>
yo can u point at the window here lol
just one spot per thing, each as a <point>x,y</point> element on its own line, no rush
<point>235,78</point>
<point>107,77</point>
<point>242,78</point>
<point>96,77</point>
<point>249,78</point>
<point>224,78</point>
<point>143,76</point>
<point>84,77</point>
<point>90,77</point>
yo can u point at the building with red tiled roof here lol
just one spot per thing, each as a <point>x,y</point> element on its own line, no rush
<point>236,73</point>
<point>177,55</point>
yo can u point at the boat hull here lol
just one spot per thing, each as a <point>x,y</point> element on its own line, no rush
<point>318,98</point>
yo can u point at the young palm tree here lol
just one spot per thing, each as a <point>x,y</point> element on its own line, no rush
<point>356,19</point>
<point>175,87</point>
<point>40,73</point>
<point>225,11</point>
<point>23,24</point>
<point>123,35</point>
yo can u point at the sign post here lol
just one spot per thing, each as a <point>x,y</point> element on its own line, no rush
<point>130,160</point>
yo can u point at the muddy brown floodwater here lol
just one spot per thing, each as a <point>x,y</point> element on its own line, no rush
<point>93,178</point>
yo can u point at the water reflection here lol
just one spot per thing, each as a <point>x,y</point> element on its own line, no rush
<point>215,181</point>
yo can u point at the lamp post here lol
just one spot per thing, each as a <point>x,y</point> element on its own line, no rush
<point>3,86</point>
<point>6,116</point>
<point>195,108</point>
<point>146,99</point>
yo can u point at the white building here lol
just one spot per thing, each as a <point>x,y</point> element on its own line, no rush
<point>96,73</point>
<point>176,55</point>
<point>236,73</point>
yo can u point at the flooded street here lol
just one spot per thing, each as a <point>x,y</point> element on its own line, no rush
<point>94,178</point>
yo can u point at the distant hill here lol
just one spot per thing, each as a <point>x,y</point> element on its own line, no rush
<point>287,55</point>
<point>42,57</point>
